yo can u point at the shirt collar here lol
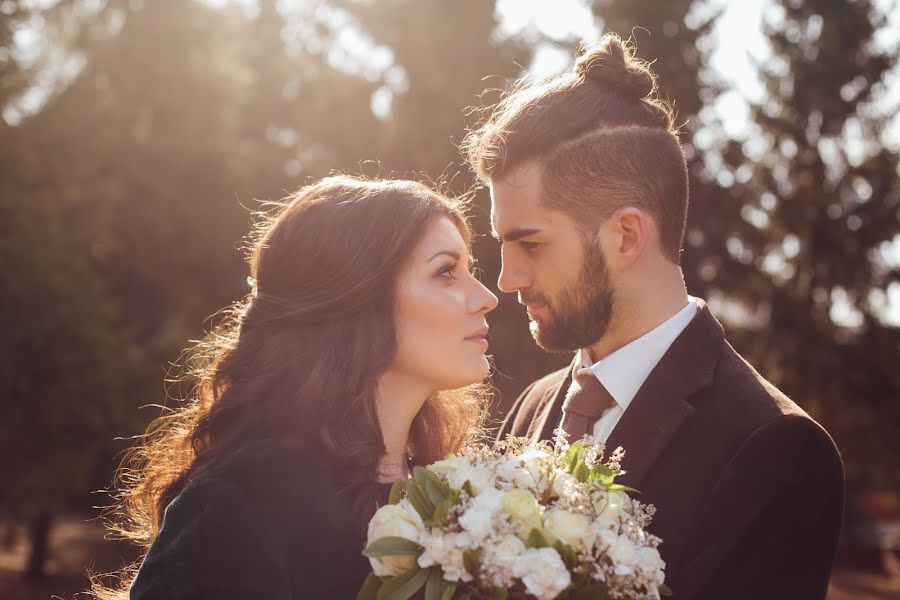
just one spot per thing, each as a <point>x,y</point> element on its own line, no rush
<point>624,371</point>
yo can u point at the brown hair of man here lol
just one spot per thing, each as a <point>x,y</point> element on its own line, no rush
<point>602,136</point>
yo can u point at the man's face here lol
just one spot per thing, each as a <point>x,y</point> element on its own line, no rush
<point>558,271</point>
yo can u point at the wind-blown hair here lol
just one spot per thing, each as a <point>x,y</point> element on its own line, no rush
<point>298,359</point>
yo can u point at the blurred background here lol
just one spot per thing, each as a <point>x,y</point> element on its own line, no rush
<point>136,136</point>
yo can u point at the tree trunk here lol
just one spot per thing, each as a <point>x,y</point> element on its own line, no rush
<point>39,533</point>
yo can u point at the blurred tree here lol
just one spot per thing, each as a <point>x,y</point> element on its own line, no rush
<point>822,196</point>
<point>676,37</point>
<point>445,55</point>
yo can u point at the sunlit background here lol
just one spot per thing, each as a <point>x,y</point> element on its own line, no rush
<point>137,136</point>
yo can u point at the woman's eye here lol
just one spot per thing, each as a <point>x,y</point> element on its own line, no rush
<point>447,271</point>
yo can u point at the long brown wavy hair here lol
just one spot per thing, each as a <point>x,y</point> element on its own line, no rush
<point>299,358</point>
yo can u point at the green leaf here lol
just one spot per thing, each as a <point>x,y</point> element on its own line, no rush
<point>396,491</point>
<point>403,586</point>
<point>665,590</point>
<point>536,539</point>
<point>581,472</point>
<point>440,512</point>
<point>420,475</point>
<point>472,561</point>
<point>369,589</point>
<point>497,593</point>
<point>603,474</point>
<point>594,591</point>
<point>449,588</point>
<point>617,487</point>
<point>467,488</point>
<point>417,498</point>
<point>433,586</point>
<point>568,554</point>
<point>436,490</point>
<point>574,455</point>
<point>392,546</point>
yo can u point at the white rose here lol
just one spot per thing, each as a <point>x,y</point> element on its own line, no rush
<point>524,510</point>
<point>543,572</point>
<point>570,527</point>
<point>563,484</point>
<point>449,465</point>
<point>400,520</point>
<point>613,505</point>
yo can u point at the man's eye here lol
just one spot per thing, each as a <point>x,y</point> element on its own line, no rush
<point>529,246</point>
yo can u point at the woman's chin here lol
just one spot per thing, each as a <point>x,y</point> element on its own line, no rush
<point>469,374</point>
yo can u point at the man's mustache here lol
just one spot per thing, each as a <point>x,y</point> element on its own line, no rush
<point>532,298</point>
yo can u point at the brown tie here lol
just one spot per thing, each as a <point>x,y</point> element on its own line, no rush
<point>586,401</point>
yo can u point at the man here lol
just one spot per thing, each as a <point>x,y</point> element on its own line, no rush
<point>589,199</point>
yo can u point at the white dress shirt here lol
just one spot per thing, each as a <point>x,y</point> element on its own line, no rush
<point>624,371</point>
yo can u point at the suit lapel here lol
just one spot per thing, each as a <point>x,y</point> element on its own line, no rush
<point>662,403</point>
<point>550,412</point>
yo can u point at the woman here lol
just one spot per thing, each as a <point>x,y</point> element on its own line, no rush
<point>347,363</point>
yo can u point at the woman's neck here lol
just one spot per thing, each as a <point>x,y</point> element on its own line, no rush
<point>398,401</point>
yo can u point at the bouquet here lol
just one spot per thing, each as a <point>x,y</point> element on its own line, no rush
<point>514,521</point>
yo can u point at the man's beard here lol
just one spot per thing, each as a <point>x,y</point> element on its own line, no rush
<point>581,313</point>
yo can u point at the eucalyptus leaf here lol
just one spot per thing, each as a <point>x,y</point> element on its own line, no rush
<point>665,590</point>
<point>433,587</point>
<point>472,561</point>
<point>369,589</point>
<point>449,588</point>
<point>417,498</point>
<point>594,591</point>
<point>536,539</point>
<point>403,586</point>
<point>568,554</point>
<point>396,491</point>
<point>392,546</point>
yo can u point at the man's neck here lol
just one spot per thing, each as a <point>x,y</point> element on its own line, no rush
<point>637,314</point>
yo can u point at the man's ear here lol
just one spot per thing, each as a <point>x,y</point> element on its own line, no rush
<point>627,231</point>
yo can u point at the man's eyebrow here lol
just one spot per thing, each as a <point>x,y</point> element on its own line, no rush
<point>515,234</point>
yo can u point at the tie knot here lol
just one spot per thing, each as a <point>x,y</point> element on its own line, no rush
<point>587,396</point>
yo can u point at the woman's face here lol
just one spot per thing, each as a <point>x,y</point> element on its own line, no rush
<point>441,329</point>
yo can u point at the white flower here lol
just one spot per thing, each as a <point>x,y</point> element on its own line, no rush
<point>480,478</point>
<point>564,484</point>
<point>479,517</point>
<point>651,563</point>
<point>514,471</point>
<point>499,560</point>
<point>524,511</point>
<point>400,520</point>
<point>570,527</point>
<point>624,555</point>
<point>613,505</point>
<point>449,465</point>
<point>543,572</point>
<point>446,550</point>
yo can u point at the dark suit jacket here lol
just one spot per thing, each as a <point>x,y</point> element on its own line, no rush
<point>264,522</point>
<point>749,489</point>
